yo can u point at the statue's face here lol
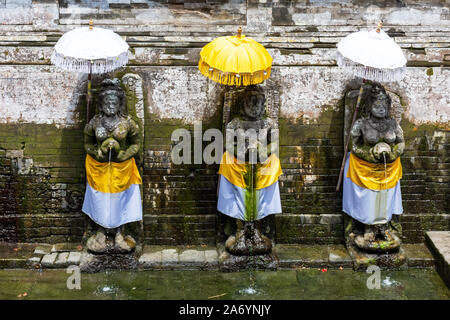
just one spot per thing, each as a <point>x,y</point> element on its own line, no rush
<point>379,108</point>
<point>254,106</point>
<point>111,104</point>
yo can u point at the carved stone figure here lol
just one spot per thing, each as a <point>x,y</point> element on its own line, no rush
<point>372,177</point>
<point>249,171</point>
<point>112,199</point>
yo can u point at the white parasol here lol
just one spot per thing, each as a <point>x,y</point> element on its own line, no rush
<point>370,55</point>
<point>90,50</point>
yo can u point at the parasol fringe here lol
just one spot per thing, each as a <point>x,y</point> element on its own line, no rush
<point>82,65</point>
<point>230,79</point>
<point>370,73</point>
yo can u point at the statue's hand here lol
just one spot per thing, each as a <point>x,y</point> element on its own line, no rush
<point>391,156</point>
<point>110,143</point>
<point>104,147</point>
<point>373,153</point>
<point>122,156</point>
<point>100,155</point>
<point>381,148</point>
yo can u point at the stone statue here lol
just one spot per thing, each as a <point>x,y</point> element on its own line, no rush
<point>112,199</point>
<point>246,191</point>
<point>372,177</point>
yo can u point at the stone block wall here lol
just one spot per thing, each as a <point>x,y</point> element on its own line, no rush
<point>41,183</point>
<point>42,111</point>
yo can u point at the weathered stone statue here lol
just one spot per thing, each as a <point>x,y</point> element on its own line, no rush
<point>249,171</point>
<point>372,177</point>
<point>112,199</point>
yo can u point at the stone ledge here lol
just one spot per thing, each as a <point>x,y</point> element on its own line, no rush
<point>154,257</point>
<point>418,255</point>
<point>14,255</point>
<point>439,244</point>
<point>312,256</point>
<point>178,258</point>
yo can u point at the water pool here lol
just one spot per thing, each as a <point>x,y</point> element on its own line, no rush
<point>301,284</point>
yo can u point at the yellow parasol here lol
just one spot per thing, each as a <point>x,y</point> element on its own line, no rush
<point>235,60</point>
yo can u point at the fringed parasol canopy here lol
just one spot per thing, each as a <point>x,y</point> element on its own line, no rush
<point>90,50</point>
<point>235,61</point>
<point>371,55</point>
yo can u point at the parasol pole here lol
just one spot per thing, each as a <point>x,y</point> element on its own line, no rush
<point>238,76</point>
<point>89,97</point>
<point>361,89</point>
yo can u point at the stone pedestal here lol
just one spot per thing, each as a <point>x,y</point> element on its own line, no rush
<point>232,263</point>
<point>391,260</point>
<point>384,254</point>
<point>91,263</point>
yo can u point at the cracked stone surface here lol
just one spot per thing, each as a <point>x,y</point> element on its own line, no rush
<point>49,259</point>
<point>61,260</point>
<point>74,258</point>
<point>193,256</point>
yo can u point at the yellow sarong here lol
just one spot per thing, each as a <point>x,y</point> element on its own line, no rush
<point>234,172</point>
<point>111,177</point>
<point>373,175</point>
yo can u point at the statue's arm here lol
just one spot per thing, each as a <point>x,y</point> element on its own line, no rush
<point>90,142</point>
<point>273,129</point>
<point>358,147</point>
<point>134,141</point>
<point>399,147</point>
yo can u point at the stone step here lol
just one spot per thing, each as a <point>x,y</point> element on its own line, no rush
<point>15,255</point>
<point>439,244</point>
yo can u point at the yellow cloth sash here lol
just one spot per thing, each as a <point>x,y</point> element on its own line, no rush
<point>111,177</point>
<point>372,175</point>
<point>267,174</point>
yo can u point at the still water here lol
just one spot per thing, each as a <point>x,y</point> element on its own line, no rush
<point>285,284</point>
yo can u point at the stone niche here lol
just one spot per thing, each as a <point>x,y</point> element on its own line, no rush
<point>226,225</point>
<point>132,84</point>
<point>361,259</point>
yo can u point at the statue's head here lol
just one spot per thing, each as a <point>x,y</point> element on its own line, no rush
<point>111,98</point>
<point>254,102</point>
<point>379,102</point>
